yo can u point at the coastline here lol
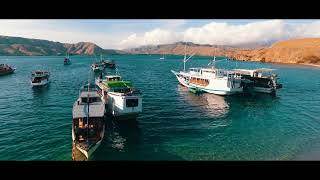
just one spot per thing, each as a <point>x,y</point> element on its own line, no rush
<point>81,55</point>
<point>314,65</point>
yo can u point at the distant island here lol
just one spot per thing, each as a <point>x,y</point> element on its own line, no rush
<point>295,51</point>
<point>18,46</point>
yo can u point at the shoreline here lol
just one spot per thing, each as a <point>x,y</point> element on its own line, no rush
<point>314,65</point>
<point>276,63</point>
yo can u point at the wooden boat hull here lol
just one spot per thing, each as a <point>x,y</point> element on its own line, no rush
<point>7,72</point>
<point>88,153</point>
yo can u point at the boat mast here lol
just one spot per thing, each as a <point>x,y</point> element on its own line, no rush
<point>88,108</point>
<point>185,58</point>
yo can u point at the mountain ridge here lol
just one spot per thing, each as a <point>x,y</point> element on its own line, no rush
<point>21,46</point>
<point>292,51</point>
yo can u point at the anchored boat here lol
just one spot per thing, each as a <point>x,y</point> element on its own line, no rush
<point>260,80</point>
<point>108,63</point>
<point>121,98</point>
<point>6,69</point>
<point>211,80</point>
<point>39,78</point>
<point>162,58</point>
<point>67,60</point>
<point>88,124</point>
<point>97,67</point>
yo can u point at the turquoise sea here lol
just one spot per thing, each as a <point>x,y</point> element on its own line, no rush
<point>175,124</point>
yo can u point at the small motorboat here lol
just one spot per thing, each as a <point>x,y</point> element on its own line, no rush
<point>96,67</point>
<point>39,78</point>
<point>6,69</point>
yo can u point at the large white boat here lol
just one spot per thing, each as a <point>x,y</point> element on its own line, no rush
<point>211,80</point>
<point>260,80</point>
<point>39,78</point>
<point>88,124</point>
<point>120,97</point>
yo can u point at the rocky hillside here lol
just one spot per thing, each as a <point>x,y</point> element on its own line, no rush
<point>291,51</point>
<point>35,47</point>
<point>178,49</point>
<point>304,51</point>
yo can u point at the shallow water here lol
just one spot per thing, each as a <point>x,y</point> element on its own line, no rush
<point>175,124</point>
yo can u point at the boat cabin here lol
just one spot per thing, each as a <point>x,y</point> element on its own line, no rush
<point>210,72</point>
<point>256,73</point>
<point>85,99</point>
<point>113,78</point>
<point>199,81</point>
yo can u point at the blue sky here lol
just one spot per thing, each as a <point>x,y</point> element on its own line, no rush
<point>129,33</point>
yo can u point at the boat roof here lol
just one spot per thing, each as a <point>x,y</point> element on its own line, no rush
<point>40,71</point>
<point>213,70</point>
<point>254,70</point>
<point>112,76</point>
<point>96,109</point>
<point>117,84</point>
<point>208,69</point>
<point>89,93</point>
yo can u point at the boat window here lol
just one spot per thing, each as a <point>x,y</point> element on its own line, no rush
<point>121,90</point>
<point>84,100</point>
<point>132,102</point>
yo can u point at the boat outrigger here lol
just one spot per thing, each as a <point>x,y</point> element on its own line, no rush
<point>6,69</point>
<point>88,125</point>
<point>39,78</point>
<point>260,80</point>
<point>211,80</point>
<point>120,97</point>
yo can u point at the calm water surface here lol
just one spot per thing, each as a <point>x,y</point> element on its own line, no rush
<point>174,125</point>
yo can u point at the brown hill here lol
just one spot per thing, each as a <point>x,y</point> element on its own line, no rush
<point>36,47</point>
<point>305,51</point>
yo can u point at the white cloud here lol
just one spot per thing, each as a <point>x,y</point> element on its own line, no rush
<point>156,36</point>
<point>221,33</point>
<point>225,34</point>
<point>167,31</point>
<point>44,29</point>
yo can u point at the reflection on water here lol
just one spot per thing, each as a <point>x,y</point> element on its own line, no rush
<point>213,105</point>
<point>121,138</point>
<point>123,134</point>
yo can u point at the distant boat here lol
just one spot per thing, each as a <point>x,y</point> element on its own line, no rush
<point>6,69</point>
<point>39,78</point>
<point>108,63</point>
<point>162,57</point>
<point>97,66</point>
<point>67,60</point>
<point>88,125</point>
